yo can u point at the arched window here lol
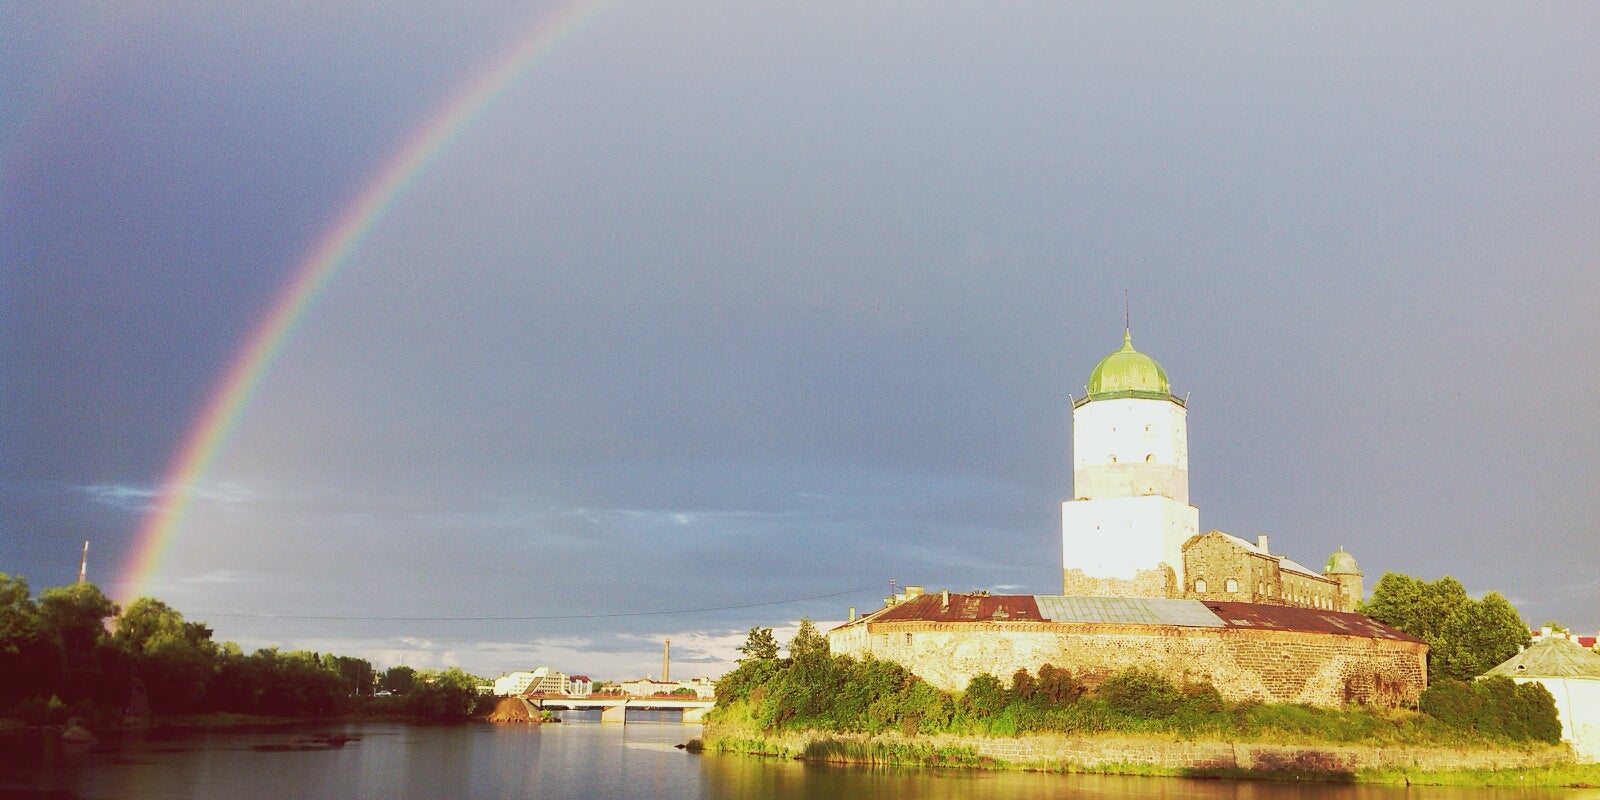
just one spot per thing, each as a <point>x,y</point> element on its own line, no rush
<point>1149,458</point>
<point>1200,586</point>
<point>1232,586</point>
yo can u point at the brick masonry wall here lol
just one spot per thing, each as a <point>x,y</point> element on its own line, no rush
<point>1159,582</point>
<point>1215,559</point>
<point>1265,665</point>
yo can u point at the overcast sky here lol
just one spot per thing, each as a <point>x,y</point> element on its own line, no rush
<point>731,304</point>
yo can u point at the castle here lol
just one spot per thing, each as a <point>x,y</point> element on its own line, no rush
<point>1130,531</point>
<point>1142,586</point>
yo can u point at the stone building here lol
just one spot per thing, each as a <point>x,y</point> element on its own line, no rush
<point>1248,651</point>
<point>1130,531</point>
<point>1220,566</point>
<point>1142,586</point>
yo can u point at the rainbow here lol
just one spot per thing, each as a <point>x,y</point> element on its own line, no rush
<point>232,393</point>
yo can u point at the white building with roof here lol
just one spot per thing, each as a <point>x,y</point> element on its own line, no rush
<point>1572,676</point>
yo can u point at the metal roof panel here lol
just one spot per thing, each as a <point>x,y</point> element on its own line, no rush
<point>1128,610</point>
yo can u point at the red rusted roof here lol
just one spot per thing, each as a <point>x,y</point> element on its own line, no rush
<point>1284,618</point>
<point>1026,607</point>
<point>963,608</point>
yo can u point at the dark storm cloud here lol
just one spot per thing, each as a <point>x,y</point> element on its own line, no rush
<point>718,308</point>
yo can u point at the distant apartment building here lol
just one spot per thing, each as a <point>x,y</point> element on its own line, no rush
<point>543,680</point>
<point>703,688</point>
<point>580,686</point>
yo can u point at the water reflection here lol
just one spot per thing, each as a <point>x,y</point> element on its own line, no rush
<point>570,760</point>
<point>765,779</point>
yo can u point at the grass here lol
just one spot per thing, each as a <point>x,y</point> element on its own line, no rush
<point>735,730</point>
<point>1567,776</point>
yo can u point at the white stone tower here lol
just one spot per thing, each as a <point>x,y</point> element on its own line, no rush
<point>1122,534</point>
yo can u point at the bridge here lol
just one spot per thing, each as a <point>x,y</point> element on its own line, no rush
<point>615,709</point>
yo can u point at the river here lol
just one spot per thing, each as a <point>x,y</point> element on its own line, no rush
<point>574,759</point>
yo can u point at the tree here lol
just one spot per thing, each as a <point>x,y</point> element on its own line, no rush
<point>1482,634</point>
<point>985,697</point>
<point>760,645</point>
<point>1022,686</point>
<point>808,645</point>
<point>356,673</point>
<point>1465,637</point>
<point>176,659</point>
<point>30,651</point>
<point>1057,687</point>
<point>77,615</point>
<point>443,694</point>
<point>398,680</point>
<point>1140,692</point>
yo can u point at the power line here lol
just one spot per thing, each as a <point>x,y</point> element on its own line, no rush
<point>544,617</point>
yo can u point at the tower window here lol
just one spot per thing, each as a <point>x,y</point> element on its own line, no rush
<point>1113,459</point>
<point>1233,585</point>
<point>1149,457</point>
<point>1200,586</point>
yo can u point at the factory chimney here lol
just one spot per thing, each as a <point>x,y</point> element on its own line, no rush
<point>666,659</point>
<point>83,566</point>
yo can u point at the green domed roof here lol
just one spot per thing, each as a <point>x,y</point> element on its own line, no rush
<point>1128,373</point>
<point>1341,563</point>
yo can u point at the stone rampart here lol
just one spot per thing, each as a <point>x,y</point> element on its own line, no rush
<point>1279,666</point>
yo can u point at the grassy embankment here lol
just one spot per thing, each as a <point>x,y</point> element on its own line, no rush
<point>1134,724</point>
<point>734,729</point>
<point>820,706</point>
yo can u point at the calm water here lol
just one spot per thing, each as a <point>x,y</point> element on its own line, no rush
<point>575,759</point>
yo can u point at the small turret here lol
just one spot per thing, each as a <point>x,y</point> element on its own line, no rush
<point>1342,568</point>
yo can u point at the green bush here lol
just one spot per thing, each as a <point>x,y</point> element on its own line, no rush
<point>838,693</point>
<point>1495,706</point>
<point>984,697</point>
<point>1142,693</point>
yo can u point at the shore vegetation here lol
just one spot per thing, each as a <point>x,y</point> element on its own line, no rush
<point>72,652</point>
<point>812,689</point>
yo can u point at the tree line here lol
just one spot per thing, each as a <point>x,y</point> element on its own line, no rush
<point>71,651</point>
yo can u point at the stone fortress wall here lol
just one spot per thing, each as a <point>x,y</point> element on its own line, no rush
<point>1283,666</point>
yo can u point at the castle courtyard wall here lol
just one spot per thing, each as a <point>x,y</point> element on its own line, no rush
<point>1281,666</point>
